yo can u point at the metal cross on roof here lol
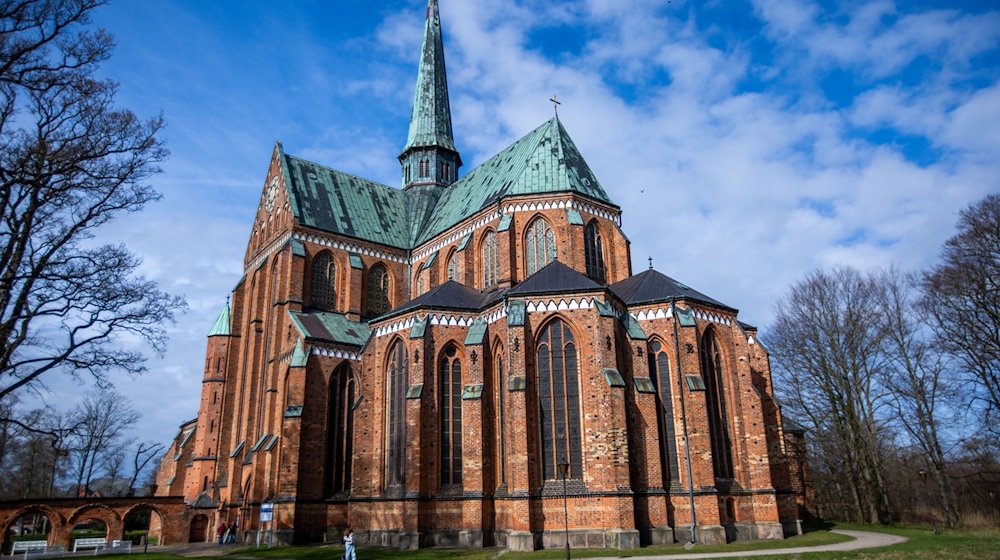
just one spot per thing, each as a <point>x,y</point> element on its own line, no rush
<point>555,104</point>
<point>651,263</point>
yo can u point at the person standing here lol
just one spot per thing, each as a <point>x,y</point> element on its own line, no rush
<point>221,531</point>
<point>349,553</point>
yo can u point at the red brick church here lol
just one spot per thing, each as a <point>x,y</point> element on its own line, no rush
<point>435,363</point>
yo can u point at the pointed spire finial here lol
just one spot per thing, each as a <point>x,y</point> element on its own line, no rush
<point>650,263</point>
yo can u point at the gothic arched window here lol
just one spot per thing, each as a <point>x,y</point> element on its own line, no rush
<point>559,400</point>
<point>659,370</point>
<point>593,246</point>
<point>397,378</point>
<point>540,245</point>
<point>324,276</point>
<point>378,290</point>
<point>490,260</point>
<point>453,267</point>
<point>450,405</point>
<point>339,431</point>
<point>718,422</point>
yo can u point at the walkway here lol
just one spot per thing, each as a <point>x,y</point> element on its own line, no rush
<point>862,539</point>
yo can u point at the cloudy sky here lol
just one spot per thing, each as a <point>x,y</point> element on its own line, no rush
<point>747,143</point>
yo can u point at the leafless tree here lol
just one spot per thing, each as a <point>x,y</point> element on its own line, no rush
<point>917,379</point>
<point>70,161</point>
<point>105,418</point>
<point>144,453</point>
<point>962,297</point>
<point>827,348</point>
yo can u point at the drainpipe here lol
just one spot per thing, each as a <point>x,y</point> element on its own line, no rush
<point>687,443</point>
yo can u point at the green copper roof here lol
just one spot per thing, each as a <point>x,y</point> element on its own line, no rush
<point>430,121</point>
<point>221,327</point>
<point>341,203</point>
<point>544,161</point>
<point>331,327</point>
<point>299,356</point>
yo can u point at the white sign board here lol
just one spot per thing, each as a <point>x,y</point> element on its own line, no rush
<point>266,512</point>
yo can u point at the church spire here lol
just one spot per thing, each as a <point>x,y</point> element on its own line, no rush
<point>430,156</point>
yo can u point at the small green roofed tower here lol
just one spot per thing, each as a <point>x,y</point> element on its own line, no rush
<point>429,157</point>
<point>221,326</point>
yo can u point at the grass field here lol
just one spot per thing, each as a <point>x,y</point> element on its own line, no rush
<point>922,545</point>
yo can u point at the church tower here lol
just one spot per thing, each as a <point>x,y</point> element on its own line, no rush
<point>430,158</point>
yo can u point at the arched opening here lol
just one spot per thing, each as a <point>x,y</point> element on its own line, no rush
<point>593,245</point>
<point>323,282</point>
<point>715,400</point>
<point>378,290</point>
<point>32,525</point>
<point>143,525</point>
<point>89,528</point>
<point>199,529</point>
<point>450,407</point>
<point>559,401</point>
<point>397,378</point>
<point>490,260</point>
<point>453,267</point>
<point>340,429</point>
<point>659,369</point>
<point>539,246</point>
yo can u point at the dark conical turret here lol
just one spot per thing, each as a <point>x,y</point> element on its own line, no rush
<point>430,157</point>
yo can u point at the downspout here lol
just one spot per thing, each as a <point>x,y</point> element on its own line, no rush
<point>687,443</point>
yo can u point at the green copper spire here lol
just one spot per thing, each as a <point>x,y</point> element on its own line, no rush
<point>221,327</point>
<point>430,121</point>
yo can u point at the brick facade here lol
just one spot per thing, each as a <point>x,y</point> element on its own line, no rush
<point>296,412</point>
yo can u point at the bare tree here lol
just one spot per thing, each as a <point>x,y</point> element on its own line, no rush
<point>827,346</point>
<point>70,161</point>
<point>145,453</point>
<point>962,297</point>
<point>916,377</point>
<point>105,418</point>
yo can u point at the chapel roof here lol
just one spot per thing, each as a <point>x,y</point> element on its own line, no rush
<point>651,286</point>
<point>450,296</point>
<point>330,327</point>
<point>554,278</point>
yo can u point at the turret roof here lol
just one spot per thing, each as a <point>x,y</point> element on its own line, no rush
<point>221,326</point>
<point>430,119</point>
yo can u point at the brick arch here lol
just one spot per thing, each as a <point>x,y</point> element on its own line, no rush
<point>54,517</point>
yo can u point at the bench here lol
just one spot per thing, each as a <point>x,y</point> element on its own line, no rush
<point>125,545</point>
<point>95,543</point>
<point>29,546</point>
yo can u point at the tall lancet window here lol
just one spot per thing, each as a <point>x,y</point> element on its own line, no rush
<point>593,248</point>
<point>559,400</point>
<point>397,378</point>
<point>659,369</point>
<point>339,432</point>
<point>450,404</point>
<point>540,245</point>
<point>324,276</point>
<point>715,397</point>
<point>453,267</point>
<point>378,290</point>
<point>490,260</point>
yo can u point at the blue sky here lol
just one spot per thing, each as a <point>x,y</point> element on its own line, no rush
<point>746,142</point>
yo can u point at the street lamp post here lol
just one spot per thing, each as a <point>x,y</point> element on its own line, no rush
<point>564,472</point>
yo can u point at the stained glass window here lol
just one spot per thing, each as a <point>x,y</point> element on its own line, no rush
<point>718,422</point>
<point>453,267</point>
<point>540,245</point>
<point>324,275</point>
<point>659,370</point>
<point>593,246</point>
<point>490,260</point>
<point>340,427</point>
<point>559,400</point>
<point>397,378</point>
<point>450,404</point>
<point>378,290</point>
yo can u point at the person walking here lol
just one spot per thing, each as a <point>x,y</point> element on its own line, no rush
<point>221,531</point>
<point>232,531</point>
<point>349,553</point>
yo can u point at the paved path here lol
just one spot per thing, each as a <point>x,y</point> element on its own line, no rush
<point>862,539</point>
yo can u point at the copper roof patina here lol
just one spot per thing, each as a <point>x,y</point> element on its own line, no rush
<point>430,120</point>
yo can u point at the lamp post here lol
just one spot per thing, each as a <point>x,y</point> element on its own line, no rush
<point>923,479</point>
<point>564,472</point>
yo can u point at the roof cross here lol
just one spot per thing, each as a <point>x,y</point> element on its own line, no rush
<point>650,263</point>
<point>555,104</point>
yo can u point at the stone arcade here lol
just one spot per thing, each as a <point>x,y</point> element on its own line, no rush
<point>419,361</point>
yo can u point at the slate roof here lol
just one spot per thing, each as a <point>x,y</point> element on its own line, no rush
<point>331,327</point>
<point>651,286</point>
<point>430,119</point>
<point>555,278</point>
<point>450,296</point>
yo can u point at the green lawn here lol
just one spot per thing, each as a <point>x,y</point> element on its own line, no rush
<point>922,545</point>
